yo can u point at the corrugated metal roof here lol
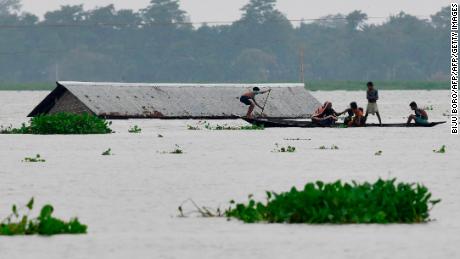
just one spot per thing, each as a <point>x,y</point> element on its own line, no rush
<point>127,100</point>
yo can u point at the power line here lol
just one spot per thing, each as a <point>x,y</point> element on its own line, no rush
<point>89,25</point>
<point>152,24</point>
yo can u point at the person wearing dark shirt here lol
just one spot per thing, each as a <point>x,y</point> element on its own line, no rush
<point>372,97</point>
<point>420,117</point>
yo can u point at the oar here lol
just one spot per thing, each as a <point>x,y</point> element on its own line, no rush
<point>265,103</point>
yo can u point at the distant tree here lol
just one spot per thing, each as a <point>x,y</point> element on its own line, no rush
<point>442,18</point>
<point>9,6</point>
<point>107,44</point>
<point>260,11</point>
<point>164,11</point>
<point>67,14</point>
<point>336,21</point>
<point>355,20</point>
<point>254,65</point>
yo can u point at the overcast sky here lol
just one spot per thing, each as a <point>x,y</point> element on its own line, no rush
<point>228,10</point>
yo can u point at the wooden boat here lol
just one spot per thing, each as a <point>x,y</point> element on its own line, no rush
<point>280,123</point>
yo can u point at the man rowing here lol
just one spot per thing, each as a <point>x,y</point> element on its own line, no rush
<point>249,98</point>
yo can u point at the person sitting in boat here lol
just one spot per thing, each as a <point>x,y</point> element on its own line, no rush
<point>358,116</point>
<point>420,117</point>
<point>350,113</point>
<point>249,98</point>
<point>325,115</point>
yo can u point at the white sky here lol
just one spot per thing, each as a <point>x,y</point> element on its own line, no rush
<point>228,10</point>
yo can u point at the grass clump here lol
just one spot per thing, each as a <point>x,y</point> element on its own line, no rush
<point>442,150</point>
<point>297,139</point>
<point>135,129</point>
<point>108,152</point>
<point>190,127</point>
<point>333,147</point>
<point>382,202</point>
<point>45,224</point>
<point>228,127</point>
<point>36,159</point>
<point>62,123</point>
<point>176,151</point>
<point>288,149</point>
<point>208,126</point>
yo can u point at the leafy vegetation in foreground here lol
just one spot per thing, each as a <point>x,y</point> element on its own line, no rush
<point>44,224</point>
<point>340,203</point>
<point>62,123</point>
<point>35,159</point>
<point>442,150</point>
<point>135,129</point>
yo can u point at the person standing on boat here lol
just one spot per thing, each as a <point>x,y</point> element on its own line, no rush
<point>420,117</point>
<point>325,115</point>
<point>372,97</point>
<point>249,98</point>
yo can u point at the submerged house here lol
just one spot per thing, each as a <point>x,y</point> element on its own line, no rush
<point>173,101</point>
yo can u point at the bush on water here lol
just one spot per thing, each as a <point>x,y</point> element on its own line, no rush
<point>63,123</point>
<point>45,224</point>
<point>382,202</point>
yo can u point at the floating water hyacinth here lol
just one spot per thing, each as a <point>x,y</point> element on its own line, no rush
<point>340,203</point>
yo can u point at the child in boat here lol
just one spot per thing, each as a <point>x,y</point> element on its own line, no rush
<point>358,116</point>
<point>372,97</point>
<point>325,115</point>
<point>249,98</point>
<point>351,114</point>
<point>420,117</point>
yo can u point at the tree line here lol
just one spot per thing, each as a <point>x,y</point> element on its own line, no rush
<point>159,44</point>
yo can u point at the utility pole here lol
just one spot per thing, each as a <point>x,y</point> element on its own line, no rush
<point>302,66</point>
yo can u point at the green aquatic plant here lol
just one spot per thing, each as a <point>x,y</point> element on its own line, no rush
<point>378,153</point>
<point>442,150</point>
<point>45,224</point>
<point>135,129</point>
<point>62,123</point>
<point>176,151</point>
<point>190,127</point>
<point>36,159</point>
<point>208,126</point>
<point>108,152</point>
<point>333,147</point>
<point>384,201</point>
<point>428,108</point>
<point>160,136</point>
<point>288,149</point>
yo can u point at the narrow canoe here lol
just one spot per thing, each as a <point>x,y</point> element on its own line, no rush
<point>280,123</point>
